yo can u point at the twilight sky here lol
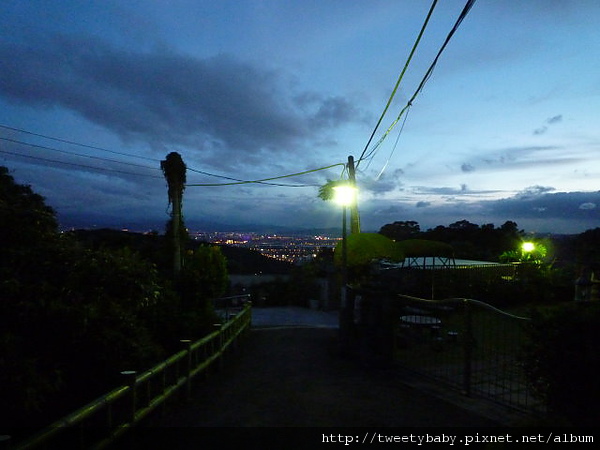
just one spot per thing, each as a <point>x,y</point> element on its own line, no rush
<point>506,128</point>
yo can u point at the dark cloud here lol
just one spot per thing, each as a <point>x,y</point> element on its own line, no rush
<point>561,212</point>
<point>327,112</point>
<point>380,183</point>
<point>451,191</point>
<point>550,121</point>
<point>438,190</point>
<point>385,210</point>
<point>533,192</point>
<point>561,205</point>
<point>165,98</point>
<point>554,119</point>
<point>512,154</point>
<point>467,167</point>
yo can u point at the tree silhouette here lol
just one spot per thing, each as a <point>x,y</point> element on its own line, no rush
<point>174,169</point>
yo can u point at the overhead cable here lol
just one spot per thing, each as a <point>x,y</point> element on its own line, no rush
<point>424,80</point>
<point>400,77</point>
<point>268,179</point>
<point>245,181</point>
<point>71,142</point>
<point>43,147</point>
<point>39,158</point>
<point>79,144</point>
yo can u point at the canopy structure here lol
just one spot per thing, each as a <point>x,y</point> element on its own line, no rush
<point>363,248</point>
<point>428,254</point>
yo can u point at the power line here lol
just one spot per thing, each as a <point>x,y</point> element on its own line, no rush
<point>269,179</point>
<point>244,181</point>
<point>44,147</point>
<point>71,142</point>
<point>424,80</point>
<point>400,77</point>
<point>79,144</point>
<point>38,158</point>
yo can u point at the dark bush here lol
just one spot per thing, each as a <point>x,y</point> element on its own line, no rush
<point>73,317</point>
<point>561,360</point>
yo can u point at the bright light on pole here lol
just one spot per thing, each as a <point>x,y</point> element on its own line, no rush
<point>528,247</point>
<point>344,195</point>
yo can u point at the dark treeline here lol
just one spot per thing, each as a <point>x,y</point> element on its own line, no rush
<point>488,242</point>
<point>469,240</point>
<point>77,309</point>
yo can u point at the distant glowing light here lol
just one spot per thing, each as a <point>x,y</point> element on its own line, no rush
<point>528,247</point>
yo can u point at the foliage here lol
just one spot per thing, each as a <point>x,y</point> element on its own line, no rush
<point>327,191</point>
<point>424,247</point>
<point>296,289</point>
<point>469,240</point>
<point>203,277</point>
<point>365,247</point>
<point>174,169</point>
<point>587,247</point>
<point>536,256</point>
<point>561,358</point>
<point>75,313</point>
<point>24,217</point>
<point>205,273</point>
<point>401,230</point>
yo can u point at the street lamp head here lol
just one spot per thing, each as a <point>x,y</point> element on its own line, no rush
<point>528,247</point>
<point>344,194</point>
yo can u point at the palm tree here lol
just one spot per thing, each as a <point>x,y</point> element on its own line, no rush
<point>174,169</point>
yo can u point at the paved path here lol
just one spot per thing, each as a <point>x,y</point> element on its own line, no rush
<point>290,316</point>
<point>293,376</point>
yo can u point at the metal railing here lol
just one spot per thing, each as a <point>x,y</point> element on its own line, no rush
<point>99,423</point>
<point>467,344</point>
<point>445,282</point>
<point>228,307</point>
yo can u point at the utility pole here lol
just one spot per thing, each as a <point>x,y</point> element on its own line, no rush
<point>347,325</point>
<point>354,217</point>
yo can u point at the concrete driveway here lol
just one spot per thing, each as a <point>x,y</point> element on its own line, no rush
<point>293,316</point>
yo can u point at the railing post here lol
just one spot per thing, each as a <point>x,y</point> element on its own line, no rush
<point>468,342</point>
<point>187,346</point>
<point>130,378</point>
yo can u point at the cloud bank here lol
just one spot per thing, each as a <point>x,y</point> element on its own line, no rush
<point>219,105</point>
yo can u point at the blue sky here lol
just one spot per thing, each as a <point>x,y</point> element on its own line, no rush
<point>506,128</point>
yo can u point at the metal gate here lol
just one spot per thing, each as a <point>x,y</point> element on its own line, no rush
<point>467,344</point>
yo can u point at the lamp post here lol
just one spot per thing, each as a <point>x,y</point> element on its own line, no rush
<point>345,195</point>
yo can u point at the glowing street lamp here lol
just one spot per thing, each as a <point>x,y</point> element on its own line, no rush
<point>528,247</point>
<point>344,195</point>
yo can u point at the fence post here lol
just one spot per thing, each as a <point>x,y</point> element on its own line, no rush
<point>187,346</point>
<point>468,342</point>
<point>130,378</point>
